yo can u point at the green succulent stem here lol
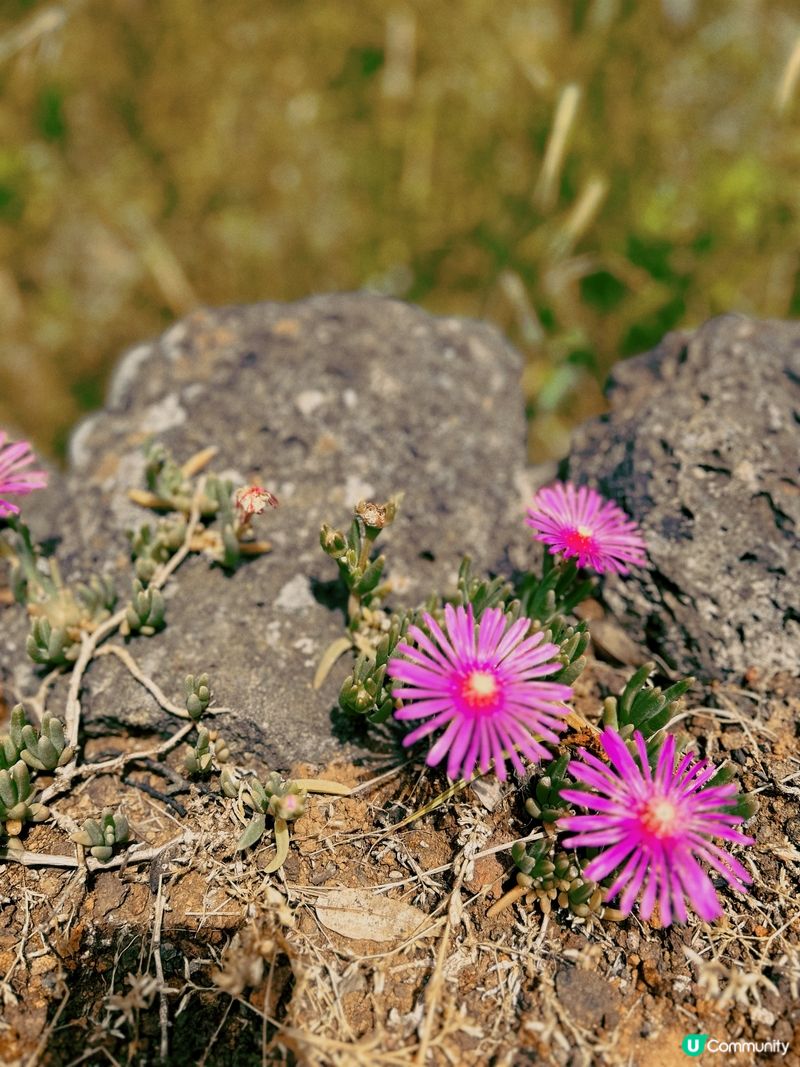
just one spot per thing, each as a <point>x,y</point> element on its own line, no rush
<point>644,707</point>
<point>558,590</point>
<point>352,551</point>
<point>27,558</point>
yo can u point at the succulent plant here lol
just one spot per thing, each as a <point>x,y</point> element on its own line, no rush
<point>744,804</point>
<point>333,542</point>
<point>165,478</point>
<point>482,593</point>
<point>18,581</point>
<point>286,799</point>
<point>283,800</point>
<point>546,803</point>
<point>209,752</point>
<point>548,876</point>
<point>364,691</point>
<point>557,592</point>
<point>197,693</point>
<point>643,707</point>
<point>60,613</point>
<point>230,782</point>
<point>50,646</point>
<point>360,574</point>
<point>230,552</point>
<point>573,641</point>
<point>45,749</point>
<point>152,547</point>
<point>275,796</point>
<point>102,836</point>
<point>219,498</point>
<point>145,612</point>
<point>17,804</point>
<point>97,597</point>
<point>11,744</point>
<point>220,492</point>
<point>170,485</point>
<point>352,552</point>
<point>31,579</point>
<point>534,862</point>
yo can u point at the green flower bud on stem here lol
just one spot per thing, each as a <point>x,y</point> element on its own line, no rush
<point>333,542</point>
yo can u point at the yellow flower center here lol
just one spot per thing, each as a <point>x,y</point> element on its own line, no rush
<point>660,817</point>
<point>479,689</point>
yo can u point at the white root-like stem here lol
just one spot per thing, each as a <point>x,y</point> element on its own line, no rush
<point>88,770</point>
<point>90,642</point>
<point>49,859</point>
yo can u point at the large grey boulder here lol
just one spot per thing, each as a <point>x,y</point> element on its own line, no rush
<point>702,446</point>
<point>324,402</point>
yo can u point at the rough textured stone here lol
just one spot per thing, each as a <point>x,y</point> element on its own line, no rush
<point>702,446</point>
<point>324,402</point>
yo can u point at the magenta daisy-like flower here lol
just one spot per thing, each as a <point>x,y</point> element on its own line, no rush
<point>653,826</point>
<point>14,478</point>
<point>578,521</point>
<point>482,684</point>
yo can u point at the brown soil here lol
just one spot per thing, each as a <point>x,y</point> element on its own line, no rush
<point>202,953</point>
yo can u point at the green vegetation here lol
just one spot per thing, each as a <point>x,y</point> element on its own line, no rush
<point>588,174</point>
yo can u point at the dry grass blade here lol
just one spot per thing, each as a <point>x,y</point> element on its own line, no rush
<point>788,81</point>
<point>566,112</point>
<point>41,24</point>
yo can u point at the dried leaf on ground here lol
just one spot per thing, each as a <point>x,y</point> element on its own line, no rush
<point>365,916</point>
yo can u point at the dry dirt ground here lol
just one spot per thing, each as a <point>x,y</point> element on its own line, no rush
<point>201,957</point>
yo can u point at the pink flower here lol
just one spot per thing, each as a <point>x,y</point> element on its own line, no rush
<point>252,500</point>
<point>655,825</point>
<point>480,682</point>
<point>578,521</point>
<point>14,458</point>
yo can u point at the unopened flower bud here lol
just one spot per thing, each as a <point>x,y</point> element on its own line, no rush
<point>289,806</point>
<point>333,542</point>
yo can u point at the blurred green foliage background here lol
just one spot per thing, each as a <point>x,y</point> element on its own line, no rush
<point>586,173</point>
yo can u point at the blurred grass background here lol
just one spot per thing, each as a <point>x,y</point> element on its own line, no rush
<point>586,173</point>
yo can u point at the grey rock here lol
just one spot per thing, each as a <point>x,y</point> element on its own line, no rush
<point>702,447</point>
<point>324,402</point>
